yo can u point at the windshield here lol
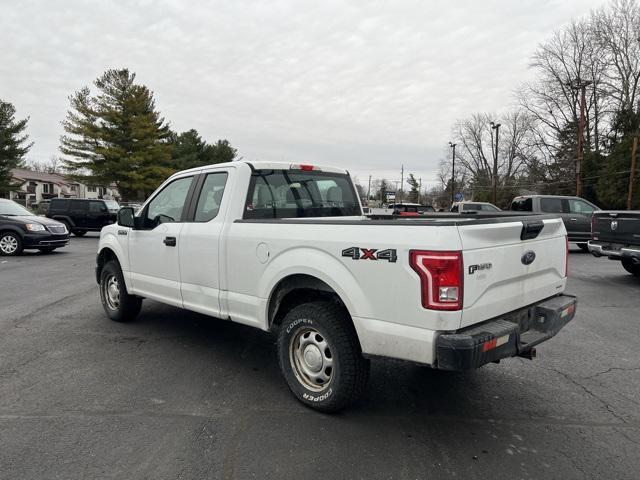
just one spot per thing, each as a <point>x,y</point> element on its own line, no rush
<point>112,205</point>
<point>13,209</point>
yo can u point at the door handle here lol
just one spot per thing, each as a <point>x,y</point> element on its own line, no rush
<point>573,219</point>
<point>169,241</point>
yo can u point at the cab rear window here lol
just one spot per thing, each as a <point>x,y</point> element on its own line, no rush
<point>295,194</point>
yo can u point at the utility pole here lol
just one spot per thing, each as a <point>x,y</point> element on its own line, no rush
<point>402,182</point>
<point>634,160</point>
<point>453,171</point>
<point>494,177</point>
<point>369,191</point>
<point>420,191</point>
<point>580,85</point>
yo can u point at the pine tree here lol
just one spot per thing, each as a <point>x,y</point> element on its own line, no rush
<point>117,136</point>
<point>14,144</point>
<point>414,193</point>
<point>190,150</point>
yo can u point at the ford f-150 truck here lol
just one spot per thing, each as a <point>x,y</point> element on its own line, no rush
<point>286,248</point>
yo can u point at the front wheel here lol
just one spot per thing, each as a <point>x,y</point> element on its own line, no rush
<point>629,266</point>
<point>79,233</point>
<point>320,356</point>
<point>117,303</point>
<point>10,244</point>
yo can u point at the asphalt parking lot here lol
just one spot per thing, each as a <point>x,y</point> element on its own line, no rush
<point>179,395</point>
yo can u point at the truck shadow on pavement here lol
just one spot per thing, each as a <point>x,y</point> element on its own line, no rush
<point>249,356</point>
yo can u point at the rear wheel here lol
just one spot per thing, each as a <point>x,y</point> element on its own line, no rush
<point>79,233</point>
<point>10,244</point>
<point>629,266</point>
<point>118,304</point>
<point>583,246</point>
<point>320,357</point>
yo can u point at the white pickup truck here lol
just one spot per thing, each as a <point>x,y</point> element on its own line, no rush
<point>286,248</point>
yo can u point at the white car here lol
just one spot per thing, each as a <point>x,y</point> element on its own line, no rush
<point>286,248</point>
<point>466,207</point>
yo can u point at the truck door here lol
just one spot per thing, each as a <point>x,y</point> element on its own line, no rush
<point>200,244</point>
<point>580,217</point>
<point>153,248</point>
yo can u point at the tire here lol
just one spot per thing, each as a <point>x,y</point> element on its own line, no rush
<point>330,374</point>
<point>584,247</point>
<point>47,249</point>
<point>79,233</point>
<point>631,267</point>
<point>117,303</point>
<point>10,244</point>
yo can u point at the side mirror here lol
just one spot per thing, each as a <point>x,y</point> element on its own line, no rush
<point>126,217</point>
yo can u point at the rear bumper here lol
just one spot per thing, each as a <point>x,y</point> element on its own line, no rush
<point>508,336</point>
<point>607,250</point>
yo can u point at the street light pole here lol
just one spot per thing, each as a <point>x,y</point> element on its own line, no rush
<point>453,171</point>
<point>494,179</point>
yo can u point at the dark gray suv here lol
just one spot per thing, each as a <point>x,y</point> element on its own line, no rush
<point>575,212</point>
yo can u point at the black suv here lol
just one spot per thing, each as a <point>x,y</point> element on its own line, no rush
<point>20,229</point>
<point>83,215</point>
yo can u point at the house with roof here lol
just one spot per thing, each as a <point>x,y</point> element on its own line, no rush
<point>34,187</point>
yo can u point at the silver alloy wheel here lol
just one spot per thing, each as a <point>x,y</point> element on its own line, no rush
<point>8,244</point>
<point>311,359</point>
<point>111,292</point>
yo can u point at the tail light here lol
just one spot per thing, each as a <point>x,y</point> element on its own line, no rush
<point>441,278</point>
<point>566,257</point>
<point>304,167</point>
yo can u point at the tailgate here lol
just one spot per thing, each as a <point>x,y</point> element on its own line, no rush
<point>616,227</point>
<point>503,273</point>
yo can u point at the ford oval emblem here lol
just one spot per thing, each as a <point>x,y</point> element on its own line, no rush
<point>528,257</point>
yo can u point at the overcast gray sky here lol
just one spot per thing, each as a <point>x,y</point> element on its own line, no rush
<point>363,85</point>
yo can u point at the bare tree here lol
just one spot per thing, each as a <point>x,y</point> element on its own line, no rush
<point>52,165</point>
<point>475,147</point>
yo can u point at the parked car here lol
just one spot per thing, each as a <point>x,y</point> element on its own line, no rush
<point>20,229</point>
<point>83,215</point>
<point>409,209</point>
<point>467,207</point>
<point>616,235</point>
<point>575,213</point>
<point>286,248</point>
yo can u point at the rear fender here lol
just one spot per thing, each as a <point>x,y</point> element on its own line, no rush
<point>319,264</point>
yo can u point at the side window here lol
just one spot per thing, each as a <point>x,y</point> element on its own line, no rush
<point>78,205</point>
<point>96,207</point>
<point>551,205</point>
<point>579,206</point>
<point>522,205</point>
<point>168,205</point>
<point>210,197</point>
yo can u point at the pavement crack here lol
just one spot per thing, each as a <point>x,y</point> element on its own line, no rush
<point>611,369</point>
<point>590,393</point>
<point>41,309</point>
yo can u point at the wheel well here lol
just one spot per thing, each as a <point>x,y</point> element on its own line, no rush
<point>105,255</point>
<point>295,290</point>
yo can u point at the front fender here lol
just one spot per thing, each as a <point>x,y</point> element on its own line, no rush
<point>109,240</point>
<point>316,263</point>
